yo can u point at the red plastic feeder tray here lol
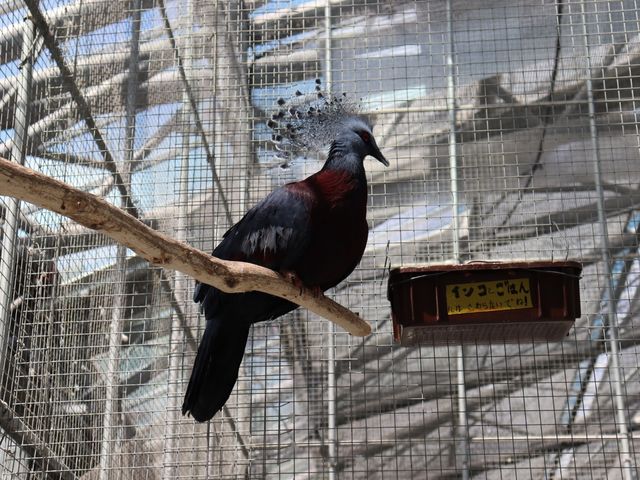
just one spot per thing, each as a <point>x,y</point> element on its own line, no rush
<point>488,302</point>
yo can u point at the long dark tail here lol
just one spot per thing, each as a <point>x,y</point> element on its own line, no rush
<point>215,370</point>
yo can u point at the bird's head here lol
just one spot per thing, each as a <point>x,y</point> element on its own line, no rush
<point>312,122</point>
<point>357,136</point>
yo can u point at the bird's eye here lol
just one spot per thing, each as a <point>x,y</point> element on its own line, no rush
<point>365,136</point>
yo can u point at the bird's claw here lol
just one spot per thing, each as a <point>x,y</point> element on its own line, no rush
<point>316,292</point>
<point>294,279</point>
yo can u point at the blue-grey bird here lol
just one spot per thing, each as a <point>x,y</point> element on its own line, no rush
<point>315,229</point>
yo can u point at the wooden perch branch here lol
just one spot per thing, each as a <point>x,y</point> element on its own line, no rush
<point>234,277</point>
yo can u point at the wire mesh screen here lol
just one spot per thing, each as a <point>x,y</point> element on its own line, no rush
<point>512,132</point>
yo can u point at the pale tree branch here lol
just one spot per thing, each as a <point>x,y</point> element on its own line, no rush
<point>233,277</point>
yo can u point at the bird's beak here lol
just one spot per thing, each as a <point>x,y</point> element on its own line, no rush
<point>377,154</point>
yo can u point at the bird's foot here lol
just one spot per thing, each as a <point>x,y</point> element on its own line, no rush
<point>294,279</point>
<point>316,292</point>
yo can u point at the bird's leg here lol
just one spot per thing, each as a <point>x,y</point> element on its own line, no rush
<point>293,277</point>
<point>316,291</point>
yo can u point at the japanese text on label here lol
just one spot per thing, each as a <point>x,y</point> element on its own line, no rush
<point>490,296</point>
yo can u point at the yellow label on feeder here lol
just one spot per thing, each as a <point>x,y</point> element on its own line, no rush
<point>490,296</point>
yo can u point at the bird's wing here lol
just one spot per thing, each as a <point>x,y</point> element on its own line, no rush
<point>274,233</point>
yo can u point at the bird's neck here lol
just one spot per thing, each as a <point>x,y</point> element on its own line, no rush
<point>341,181</point>
<point>345,159</point>
<point>339,187</point>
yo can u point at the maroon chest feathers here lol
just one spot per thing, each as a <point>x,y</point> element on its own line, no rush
<point>338,206</point>
<point>331,189</point>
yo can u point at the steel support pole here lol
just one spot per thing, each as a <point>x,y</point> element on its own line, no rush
<point>180,280</point>
<point>624,443</point>
<point>10,225</point>
<point>113,391</point>
<point>332,432</point>
<point>462,427</point>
